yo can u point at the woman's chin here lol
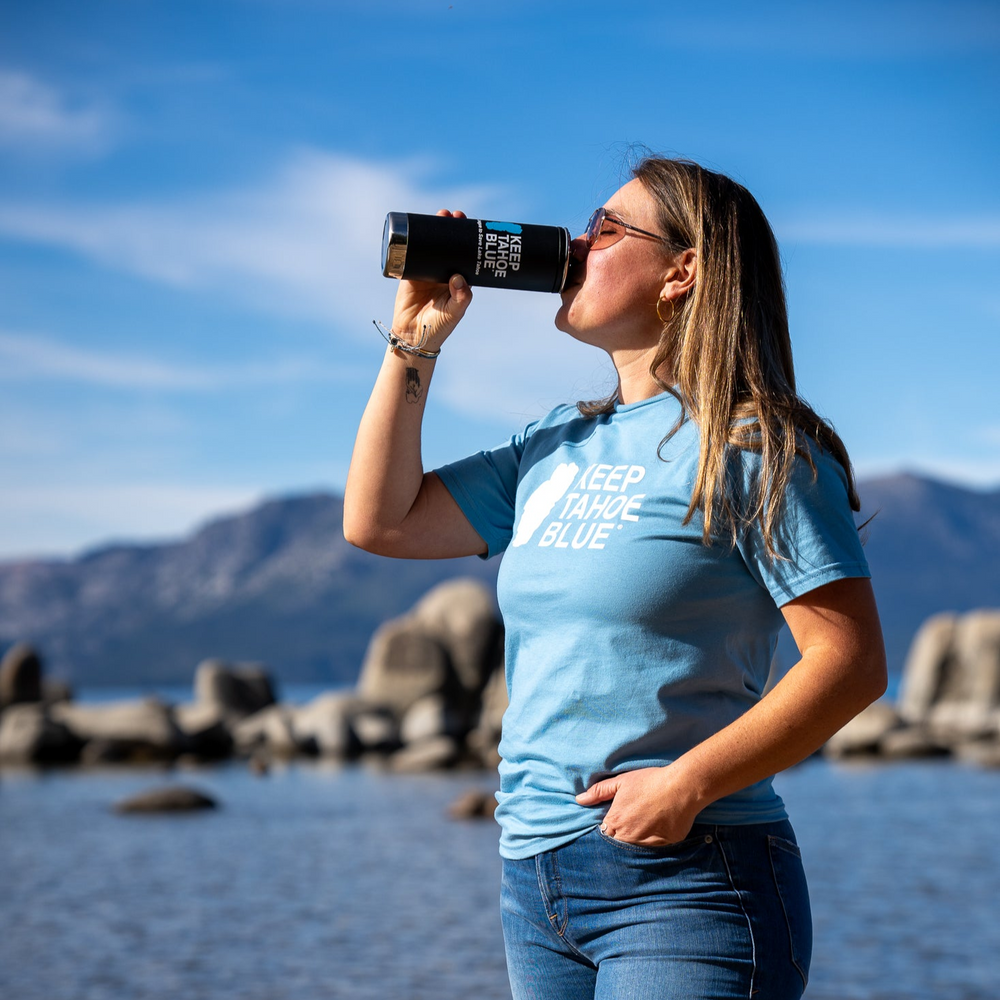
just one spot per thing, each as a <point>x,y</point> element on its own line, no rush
<point>562,319</point>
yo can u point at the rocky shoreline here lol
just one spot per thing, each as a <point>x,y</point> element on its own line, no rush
<point>949,698</point>
<point>431,695</point>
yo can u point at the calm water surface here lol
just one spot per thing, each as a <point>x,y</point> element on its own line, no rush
<point>317,882</point>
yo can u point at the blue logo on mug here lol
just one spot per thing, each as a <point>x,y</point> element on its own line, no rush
<point>504,227</point>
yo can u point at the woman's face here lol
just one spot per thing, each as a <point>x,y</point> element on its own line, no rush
<point>611,301</point>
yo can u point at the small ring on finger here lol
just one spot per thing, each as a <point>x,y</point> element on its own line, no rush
<point>604,828</point>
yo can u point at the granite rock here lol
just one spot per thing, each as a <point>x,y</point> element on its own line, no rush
<point>20,676</point>
<point>28,735</point>
<point>160,800</point>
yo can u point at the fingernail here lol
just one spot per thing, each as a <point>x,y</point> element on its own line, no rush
<point>458,281</point>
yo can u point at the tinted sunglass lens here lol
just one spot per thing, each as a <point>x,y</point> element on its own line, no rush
<point>594,227</point>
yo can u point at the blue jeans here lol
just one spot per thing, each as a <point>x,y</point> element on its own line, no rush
<point>722,914</point>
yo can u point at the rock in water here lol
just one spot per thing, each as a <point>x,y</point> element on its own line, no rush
<point>324,724</point>
<point>402,665</point>
<point>236,689</point>
<point>460,614</point>
<point>29,736</point>
<point>141,730</point>
<point>485,738</point>
<point>269,730</point>
<point>173,799</point>
<point>951,682</point>
<point>926,664</point>
<point>865,732</point>
<point>949,701</point>
<point>426,755</point>
<point>431,716</point>
<point>450,643</point>
<point>20,676</point>
<point>473,805</point>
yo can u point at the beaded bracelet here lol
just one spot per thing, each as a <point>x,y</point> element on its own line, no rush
<point>395,344</point>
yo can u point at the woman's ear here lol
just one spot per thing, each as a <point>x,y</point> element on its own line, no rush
<point>680,275</point>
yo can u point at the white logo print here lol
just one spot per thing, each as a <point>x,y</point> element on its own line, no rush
<point>599,505</point>
<point>543,498</point>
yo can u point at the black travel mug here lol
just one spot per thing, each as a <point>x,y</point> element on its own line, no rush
<point>492,254</point>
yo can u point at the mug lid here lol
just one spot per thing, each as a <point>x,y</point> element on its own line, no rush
<point>394,245</point>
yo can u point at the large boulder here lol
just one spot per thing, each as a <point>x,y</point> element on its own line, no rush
<point>28,735</point>
<point>270,730</point>
<point>461,615</point>
<point>985,753</point>
<point>485,738</point>
<point>473,804</point>
<point>432,716</point>
<point>431,754</point>
<point>448,645</point>
<point>912,742</point>
<point>968,704</point>
<point>205,730</point>
<point>949,700</point>
<point>235,689</point>
<point>927,664</point>
<point>865,732</point>
<point>20,676</point>
<point>142,729</point>
<point>951,681</point>
<point>323,726</point>
<point>376,730</point>
<point>402,665</point>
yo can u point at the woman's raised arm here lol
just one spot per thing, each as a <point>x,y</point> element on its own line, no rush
<point>391,506</point>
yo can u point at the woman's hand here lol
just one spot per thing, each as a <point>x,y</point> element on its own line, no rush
<point>648,806</point>
<point>428,310</point>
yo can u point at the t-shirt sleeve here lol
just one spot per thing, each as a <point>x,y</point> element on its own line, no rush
<point>818,535</point>
<point>484,486</point>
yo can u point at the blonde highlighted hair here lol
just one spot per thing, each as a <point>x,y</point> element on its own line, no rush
<point>725,351</point>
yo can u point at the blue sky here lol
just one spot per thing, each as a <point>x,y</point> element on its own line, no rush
<point>192,197</point>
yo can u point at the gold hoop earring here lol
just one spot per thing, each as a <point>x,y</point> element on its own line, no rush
<point>664,320</point>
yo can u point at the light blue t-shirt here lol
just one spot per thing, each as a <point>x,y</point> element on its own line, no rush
<point>628,640</point>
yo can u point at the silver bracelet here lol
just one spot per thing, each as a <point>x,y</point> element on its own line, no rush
<point>395,344</point>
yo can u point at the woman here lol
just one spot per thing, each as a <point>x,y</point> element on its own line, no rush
<point>655,543</point>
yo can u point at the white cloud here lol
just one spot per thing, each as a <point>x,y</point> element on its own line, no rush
<point>307,242</point>
<point>24,357</point>
<point>853,228</point>
<point>35,115</point>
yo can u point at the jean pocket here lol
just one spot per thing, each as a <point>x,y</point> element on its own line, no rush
<point>681,849</point>
<point>790,881</point>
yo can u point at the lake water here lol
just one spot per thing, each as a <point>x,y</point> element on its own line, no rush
<point>316,881</point>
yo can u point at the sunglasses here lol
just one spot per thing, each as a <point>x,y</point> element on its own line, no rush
<point>604,230</point>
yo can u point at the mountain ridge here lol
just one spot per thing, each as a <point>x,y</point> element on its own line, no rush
<point>278,583</point>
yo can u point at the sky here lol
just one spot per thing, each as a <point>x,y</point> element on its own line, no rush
<point>192,197</point>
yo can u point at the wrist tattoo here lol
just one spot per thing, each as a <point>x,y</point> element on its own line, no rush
<point>413,387</point>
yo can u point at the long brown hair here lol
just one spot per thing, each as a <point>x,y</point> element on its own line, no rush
<point>725,352</point>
